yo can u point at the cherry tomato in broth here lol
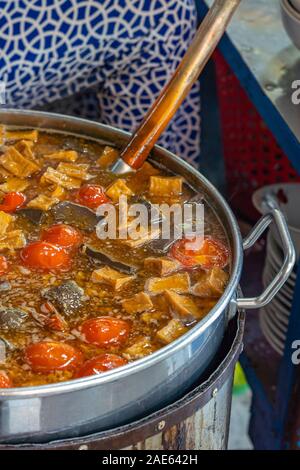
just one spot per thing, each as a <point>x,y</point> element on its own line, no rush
<point>12,201</point>
<point>99,364</point>
<point>45,256</point>
<point>48,356</point>
<point>91,196</point>
<point>5,381</point>
<point>63,235</point>
<point>207,253</point>
<point>105,331</point>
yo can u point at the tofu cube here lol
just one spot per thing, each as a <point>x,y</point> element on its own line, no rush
<point>13,161</point>
<point>108,156</point>
<point>212,284</point>
<point>63,156</point>
<point>42,202</point>
<point>5,221</point>
<point>148,170</point>
<point>173,330</point>
<point>118,188</point>
<point>12,240</point>
<point>140,349</point>
<point>139,303</point>
<point>152,318</point>
<point>61,179</point>
<point>177,282</point>
<point>2,135</point>
<point>165,186</point>
<point>25,148</point>
<point>77,170</point>
<point>14,184</point>
<point>145,236</point>
<point>59,193</point>
<point>22,135</point>
<point>111,277</point>
<point>161,266</point>
<point>4,174</point>
<point>182,305</point>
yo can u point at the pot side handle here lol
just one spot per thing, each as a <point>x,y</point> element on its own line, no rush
<point>272,214</point>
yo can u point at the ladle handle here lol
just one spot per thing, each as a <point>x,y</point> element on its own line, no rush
<point>161,112</point>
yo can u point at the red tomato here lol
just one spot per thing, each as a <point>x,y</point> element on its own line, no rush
<point>3,265</point>
<point>99,364</point>
<point>44,255</point>
<point>48,356</point>
<point>91,195</point>
<point>105,331</point>
<point>210,254</point>
<point>5,381</point>
<point>12,201</point>
<point>62,235</point>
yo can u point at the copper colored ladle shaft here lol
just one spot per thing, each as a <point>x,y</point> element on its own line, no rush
<point>161,112</point>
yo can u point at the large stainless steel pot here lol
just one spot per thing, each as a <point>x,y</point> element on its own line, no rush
<point>197,421</point>
<point>69,409</point>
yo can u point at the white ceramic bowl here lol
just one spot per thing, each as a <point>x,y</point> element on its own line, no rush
<point>291,191</point>
<point>290,13</point>
<point>272,339</point>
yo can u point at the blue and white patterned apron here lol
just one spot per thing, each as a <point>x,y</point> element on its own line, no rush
<point>113,55</point>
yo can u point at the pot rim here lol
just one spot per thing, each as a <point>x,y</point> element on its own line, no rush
<point>187,338</point>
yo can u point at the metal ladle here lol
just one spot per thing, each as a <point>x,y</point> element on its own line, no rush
<point>175,91</point>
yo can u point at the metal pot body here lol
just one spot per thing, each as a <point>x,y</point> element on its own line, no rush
<point>199,420</point>
<point>80,407</point>
<point>108,405</point>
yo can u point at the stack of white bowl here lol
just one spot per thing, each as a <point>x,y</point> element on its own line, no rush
<point>274,318</point>
<point>290,12</point>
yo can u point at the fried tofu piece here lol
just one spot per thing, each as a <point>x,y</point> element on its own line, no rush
<point>212,284</point>
<point>22,135</point>
<point>5,221</point>
<point>117,189</point>
<point>178,282</point>
<point>108,156</point>
<point>77,170</point>
<point>59,193</point>
<point>111,277</point>
<point>2,135</point>
<point>139,303</point>
<point>183,305</point>
<point>13,161</point>
<point>63,156</point>
<point>58,178</point>
<point>14,184</point>
<point>152,318</point>
<point>42,202</point>
<point>4,174</point>
<point>25,148</point>
<point>141,348</point>
<point>12,240</point>
<point>148,170</point>
<point>161,266</point>
<point>145,236</point>
<point>173,330</point>
<point>165,185</point>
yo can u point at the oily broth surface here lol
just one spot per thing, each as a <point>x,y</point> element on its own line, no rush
<point>26,284</point>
